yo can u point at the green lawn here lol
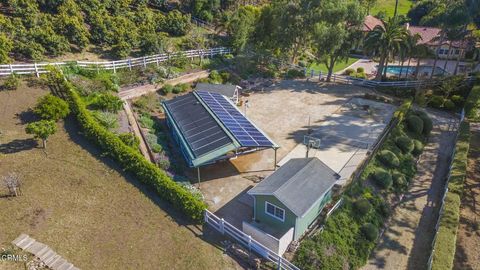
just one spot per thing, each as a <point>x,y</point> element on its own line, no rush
<point>389,7</point>
<point>339,66</point>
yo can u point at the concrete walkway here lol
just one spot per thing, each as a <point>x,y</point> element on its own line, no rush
<point>49,257</point>
<point>406,244</point>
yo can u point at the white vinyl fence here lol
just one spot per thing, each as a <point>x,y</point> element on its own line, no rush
<point>247,241</point>
<point>374,84</point>
<point>39,68</point>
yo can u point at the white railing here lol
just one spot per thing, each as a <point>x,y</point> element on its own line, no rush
<point>247,241</point>
<point>374,84</point>
<point>39,68</point>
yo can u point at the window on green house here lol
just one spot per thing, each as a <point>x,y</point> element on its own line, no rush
<point>274,211</point>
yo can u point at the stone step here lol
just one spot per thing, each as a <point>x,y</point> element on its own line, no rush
<point>36,247</point>
<point>58,263</point>
<point>65,266</point>
<point>48,254</point>
<point>49,262</point>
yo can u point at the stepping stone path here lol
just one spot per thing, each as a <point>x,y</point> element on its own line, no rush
<point>49,257</point>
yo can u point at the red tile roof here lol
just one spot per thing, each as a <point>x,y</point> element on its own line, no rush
<point>431,36</point>
<point>370,22</point>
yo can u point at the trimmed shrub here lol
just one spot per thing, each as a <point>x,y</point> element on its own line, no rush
<point>458,100</point>
<point>360,70</point>
<point>370,231</point>
<point>130,139</point>
<point>349,71</point>
<point>415,124</point>
<point>146,121</point>
<point>130,160</point>
<point>417,147</point>
<point>382,178</point>
<point>109,102</point>
<point>294,74</point>
<point>405,144</point>
<point>436,102</point>
<point>50,107</point>
<point>362,206</point>
<point>427,123</point>
<point>399,180</point>
<point>389,158</point>
<point>166,89</point>
<point>449,105</point>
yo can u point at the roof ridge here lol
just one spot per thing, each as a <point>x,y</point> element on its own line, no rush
<point>293,176</point>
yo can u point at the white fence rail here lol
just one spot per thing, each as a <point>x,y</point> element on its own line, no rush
<point>39,68</point>
<point>374,84</point>
<point>224,227</point>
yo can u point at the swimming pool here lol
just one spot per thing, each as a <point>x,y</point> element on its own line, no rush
<point>424,70</point>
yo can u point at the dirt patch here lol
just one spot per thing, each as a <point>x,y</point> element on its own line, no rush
<point>467,254</point>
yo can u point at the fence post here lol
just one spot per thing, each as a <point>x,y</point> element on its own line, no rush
<point>250,243</point>
<point>312,73</point>
<point>222,224</point>
<point>158,62</point>
<point>144,62</point>
<point>334,77</point>
<point>279,262</point>
<point>36,70</point>
<point>11,69</point>
<point>320,76</point>
<point>130,64</point>
<point>205,216</point>
<point>114,68</point>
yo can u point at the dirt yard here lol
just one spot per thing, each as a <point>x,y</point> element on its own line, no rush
<point>283,113</point>
<point>84,207</point>
<point>406,244</point>
<point>467,254</point>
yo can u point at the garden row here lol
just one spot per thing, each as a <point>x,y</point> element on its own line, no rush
<point>351,232</point>
<point>129,158</point>
<point>445,244</point>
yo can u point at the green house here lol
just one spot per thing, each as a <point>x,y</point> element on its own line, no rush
<point>293,196</point>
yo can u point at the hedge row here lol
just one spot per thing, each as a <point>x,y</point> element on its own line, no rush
<point>447,233</point>
<point>472,106</point>
<point>133,162</point>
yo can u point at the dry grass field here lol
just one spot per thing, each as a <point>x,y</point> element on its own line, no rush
<point>84,207</point>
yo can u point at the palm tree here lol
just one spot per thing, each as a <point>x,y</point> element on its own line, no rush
<point>384,41</point>
<point>420,51</point>
<point>412,44</point>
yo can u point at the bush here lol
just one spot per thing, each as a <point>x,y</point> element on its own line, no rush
<point>131,161</point>
<point>427,123</point>
<point>349,71</point>
<point>215,77</point>
<point>166,89</point>
<point>417,147</point>
<point>449,105</point>
<point>362,206</point>
<point>294,74</point>
<point>360,70</point>
<point>382,178</point>
<point>108,102</point>
<point>458,100</point>
<point>50,107</point>
<point>399,180</point>
<point>472,104</point>
<point>11,83</point>
<point>436,102</point>
<point>405,144</point>
<point>130,139</point>
<point>106,119</point>
<point>146,121</point>
<point>415,124</point>
<point>163,164</point>
<point>370,231</point>
<point>389,158</point>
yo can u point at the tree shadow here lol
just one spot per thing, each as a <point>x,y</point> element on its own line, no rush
<point>18,145</point>
<point>26,117</point>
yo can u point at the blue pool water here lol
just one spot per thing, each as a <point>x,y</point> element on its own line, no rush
<point>395,70</point>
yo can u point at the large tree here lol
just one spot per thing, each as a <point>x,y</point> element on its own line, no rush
<point>336,32</point>
<point>384,41</point>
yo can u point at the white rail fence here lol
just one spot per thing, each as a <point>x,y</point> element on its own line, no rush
<point>39,68</point>
<point>247,241</point>
<point>374,84</point>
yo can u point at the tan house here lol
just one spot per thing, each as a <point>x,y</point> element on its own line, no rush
<point>431,36</point>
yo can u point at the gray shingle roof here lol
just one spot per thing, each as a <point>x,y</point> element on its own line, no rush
<point>227,90</point>
<point>298,184</point>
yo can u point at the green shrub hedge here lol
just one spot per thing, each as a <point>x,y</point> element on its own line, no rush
<point>362,206</point>
<point>382,178</point>
<point>445,244</point>
<point>472,105</point>
<point>418,147</point>
<point>370,231</point>
<point>415,124</point>
<point>132,161</point>
<point>405,144</point>
<point>389,158</point>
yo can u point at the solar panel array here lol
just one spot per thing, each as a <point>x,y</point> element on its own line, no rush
<point>241,128</point>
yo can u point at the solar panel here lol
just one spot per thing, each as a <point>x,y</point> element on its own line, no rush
<point>241,128</point>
